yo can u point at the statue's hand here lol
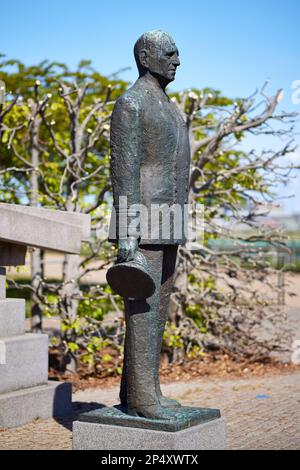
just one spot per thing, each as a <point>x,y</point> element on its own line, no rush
<point>127,248</point>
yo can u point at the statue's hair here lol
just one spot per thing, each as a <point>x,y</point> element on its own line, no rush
<point>147,41</point>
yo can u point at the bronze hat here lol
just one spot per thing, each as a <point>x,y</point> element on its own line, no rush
<point>131,279</point>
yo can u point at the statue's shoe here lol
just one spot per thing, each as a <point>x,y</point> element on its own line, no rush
<point>169,402</point>
<point>151,412</point>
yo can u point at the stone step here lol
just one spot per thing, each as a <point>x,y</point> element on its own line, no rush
<point>24,361</point>
<point>12,317</point>
<point>2,283</point>
<point>43,401</point>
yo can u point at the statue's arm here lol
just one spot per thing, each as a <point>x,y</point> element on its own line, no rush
<point>125,168</point>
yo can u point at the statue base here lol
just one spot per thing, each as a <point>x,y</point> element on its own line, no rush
<point>112,429</point>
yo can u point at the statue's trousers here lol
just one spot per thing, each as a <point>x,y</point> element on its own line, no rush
<point>145,324</point>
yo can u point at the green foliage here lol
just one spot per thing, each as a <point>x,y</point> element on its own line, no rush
<point>38,82</point>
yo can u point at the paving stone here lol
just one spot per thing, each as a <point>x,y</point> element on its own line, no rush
<point>252,424</point>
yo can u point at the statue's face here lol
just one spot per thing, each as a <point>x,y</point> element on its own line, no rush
<point>163,59</point>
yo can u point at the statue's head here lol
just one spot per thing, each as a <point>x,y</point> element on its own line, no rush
<point>156,52</point>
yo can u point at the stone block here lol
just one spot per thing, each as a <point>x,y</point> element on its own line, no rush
<point>43,228</point>
<point>81,221</point>
<point>93,436</point>
<point>25,362</point>
<point>43,401</point>
<point>12,317</point>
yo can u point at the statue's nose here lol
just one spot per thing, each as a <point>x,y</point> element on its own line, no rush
<point>176,61</point>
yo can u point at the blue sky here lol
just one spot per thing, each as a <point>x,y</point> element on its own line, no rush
<point>230,45</point>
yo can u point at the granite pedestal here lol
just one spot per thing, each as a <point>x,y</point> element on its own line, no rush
<point>112,429</point>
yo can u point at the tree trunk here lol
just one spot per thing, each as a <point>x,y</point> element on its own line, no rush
<point>36,255</point>
<point>69,306</point>
<point>36,275</point>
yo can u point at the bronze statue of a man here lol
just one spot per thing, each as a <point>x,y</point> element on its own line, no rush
<point>150,158</point>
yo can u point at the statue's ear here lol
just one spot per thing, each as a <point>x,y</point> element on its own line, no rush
<point>143,56</point>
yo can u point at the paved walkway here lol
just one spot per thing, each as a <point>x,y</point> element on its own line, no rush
<point>262,413</point>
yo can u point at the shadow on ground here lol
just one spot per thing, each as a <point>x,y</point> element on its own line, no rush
<point>77,409</point>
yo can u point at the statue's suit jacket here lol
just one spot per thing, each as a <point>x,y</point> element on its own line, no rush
<point>150,159</point>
